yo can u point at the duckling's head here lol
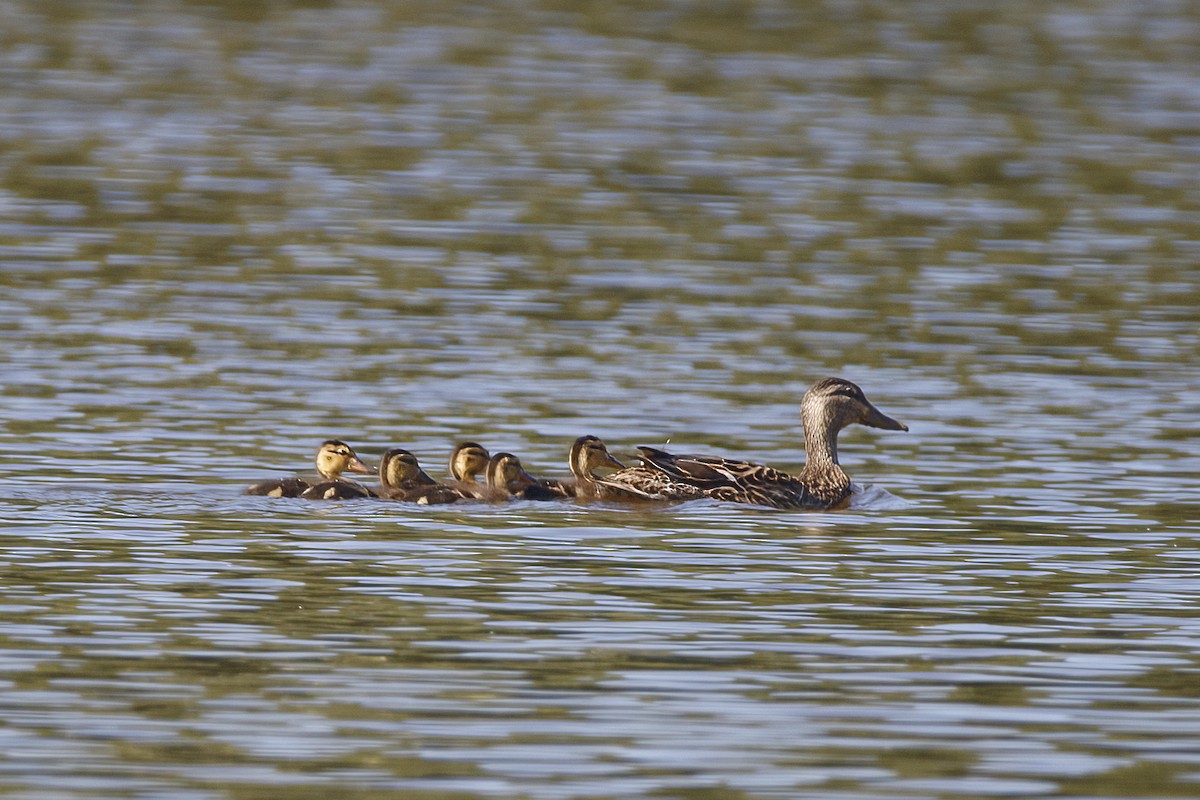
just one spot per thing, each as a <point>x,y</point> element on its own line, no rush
<point>505,474</point>
<point>397,467</point>
<point>467,460</point>
<point>833,403</point>
<point>335,457</point>
<point>589,454</point>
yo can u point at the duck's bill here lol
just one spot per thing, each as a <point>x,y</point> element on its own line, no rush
<point>611,461</point>
<point>877,419</point>
<point>356,465</point>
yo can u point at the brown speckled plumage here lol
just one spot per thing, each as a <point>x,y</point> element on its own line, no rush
<point>830,405</point>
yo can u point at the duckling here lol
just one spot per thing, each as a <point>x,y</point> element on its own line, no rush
<point>506,478</point>
<point>333,458</point>
<point>401,478</point>
<point>588,454</point>
<point>467,460</point>
<point>827,407</point>
<point>339,488</point>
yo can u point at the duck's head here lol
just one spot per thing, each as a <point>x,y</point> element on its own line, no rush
<point>589,454</point>
<point>336,457</point>
<point>505,474</point>
<point>834,403</point>
<point>467,460</point>
<point>398,466</point>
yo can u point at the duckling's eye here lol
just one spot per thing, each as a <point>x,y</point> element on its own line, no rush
<point>343,452</point>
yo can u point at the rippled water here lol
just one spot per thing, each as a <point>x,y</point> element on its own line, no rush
<point>231,230</point>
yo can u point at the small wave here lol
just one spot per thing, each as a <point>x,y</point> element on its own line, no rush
<point>876,498</point>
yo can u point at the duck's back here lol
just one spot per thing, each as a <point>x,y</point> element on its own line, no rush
<point>744,481</point>
<point>548,489</point>
<point>285,487</point>
<point>645,483</point>
<point>426,494</point>
<point>336,490</point>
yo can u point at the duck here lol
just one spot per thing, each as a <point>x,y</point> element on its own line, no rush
<point>467,460</point>
<point>338,488</point>
<point>507,478</point>
<point>333,458</point>
<point>827,407</point>
<point>588,454</point>
<point>402,478</point>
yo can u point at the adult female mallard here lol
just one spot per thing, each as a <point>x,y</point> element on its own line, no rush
<point>830,405</point>
<point>401,478</point>
<point>333,458</point>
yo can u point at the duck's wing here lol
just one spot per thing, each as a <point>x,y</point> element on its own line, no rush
<point>643,483</point>
<point>734,480</point>
<point>709,471</point>
<point>284,487</point>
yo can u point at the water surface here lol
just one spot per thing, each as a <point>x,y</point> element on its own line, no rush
<point>229,231</point>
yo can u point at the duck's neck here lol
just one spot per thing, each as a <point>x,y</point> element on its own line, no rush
<point>586,485</point>
<point>585,479</point>
<point>581,472</point>
<point>821,461</point>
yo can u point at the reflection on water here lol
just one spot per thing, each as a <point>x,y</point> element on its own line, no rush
<point>230,231</point>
